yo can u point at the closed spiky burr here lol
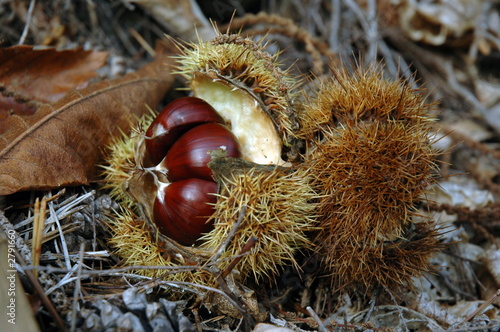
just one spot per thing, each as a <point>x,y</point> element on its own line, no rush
<point>389,264</point>
<point>370,151</point>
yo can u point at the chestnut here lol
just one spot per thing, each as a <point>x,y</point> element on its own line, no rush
<point>179,141</point>
<point>182,208</point>
<point>174,120</point>
<point>190,154</point>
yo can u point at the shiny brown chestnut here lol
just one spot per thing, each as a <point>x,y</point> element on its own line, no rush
<point>182,208</point>
<point>174,120</point>
<point>190,154</point>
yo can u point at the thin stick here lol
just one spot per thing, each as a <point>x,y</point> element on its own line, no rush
<point>231,235</point>
<point>246,248</point>
<point>35,258</point>
<point>215,290</point>
<point>334,35</point>
<point>50,199</point>
<point>76,291</point>
<point>28,22</point>
<point>483,306</point>
<point>145,45</point>
<point>373,302</point>
<point>38,224</point>
<point>321,326</point>
<point>51,269</point>
<point>43,297</point>
<point>53,215</point>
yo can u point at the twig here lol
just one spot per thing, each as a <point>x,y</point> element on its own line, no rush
<point>369,25</point>
<point>321,326</point>
<point>483,306</point>
<point>61,235</point>
<point>76,291</point>
<point>373,302</point>
<point>43,297</point>
<point>215,290</point>
<point>65,209</point>
<point>51,269</point>
<point>65,280</point>
<point>50,199</point>
<point>246,248</point>
<point>29,15</point>
<point>145,45</point>
<point>335,27</point>
<point>38,224</point>
<point>230,236</point>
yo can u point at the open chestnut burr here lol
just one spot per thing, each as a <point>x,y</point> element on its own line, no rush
<point>246,160</point>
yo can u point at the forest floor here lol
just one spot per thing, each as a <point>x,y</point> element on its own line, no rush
<point>449,50</point>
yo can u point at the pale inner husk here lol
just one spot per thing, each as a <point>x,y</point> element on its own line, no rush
<point>250,124</point>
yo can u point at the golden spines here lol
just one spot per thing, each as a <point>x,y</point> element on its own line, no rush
<point>243,64</point>
<point>369,148</point>
<point>279,212</point>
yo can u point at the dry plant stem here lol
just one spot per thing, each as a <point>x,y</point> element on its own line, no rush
<point>25,252</point>
<point>368,21</point>
<point>334,35</point>
<point>321,326</point>
<point>373,302</point>
<point>77,288</point>
<point>40,291</point>
<point>117,271</point>
<point>38,224</point>
<point>215,290</point>
<point>468,141</point>
<point>145,45</point>
<point>65,209</point>
<point>246,248</point>
<point>28,22</point>
<point>51,235</point>
<point>483,306</point>
<point>287,28</point>
<point>61,235</point>
<point>50,199</point>
<point>248,318</point>
<point>230,237</point>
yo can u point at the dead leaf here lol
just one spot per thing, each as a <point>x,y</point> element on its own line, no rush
<point>46,75</point>
<point>61,143</point>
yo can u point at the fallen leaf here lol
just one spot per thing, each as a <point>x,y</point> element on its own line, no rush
<point>61,143</point>
<point>46,75</point>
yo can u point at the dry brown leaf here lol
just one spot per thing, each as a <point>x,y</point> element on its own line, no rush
<point>46,75</point>
<point>61,143</point>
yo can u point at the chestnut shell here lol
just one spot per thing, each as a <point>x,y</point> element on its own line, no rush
<point>182,208</point>
<point>190,154</point>
<point>174,120</point>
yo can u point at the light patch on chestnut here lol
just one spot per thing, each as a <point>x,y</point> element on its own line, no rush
<point>251,125</point>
